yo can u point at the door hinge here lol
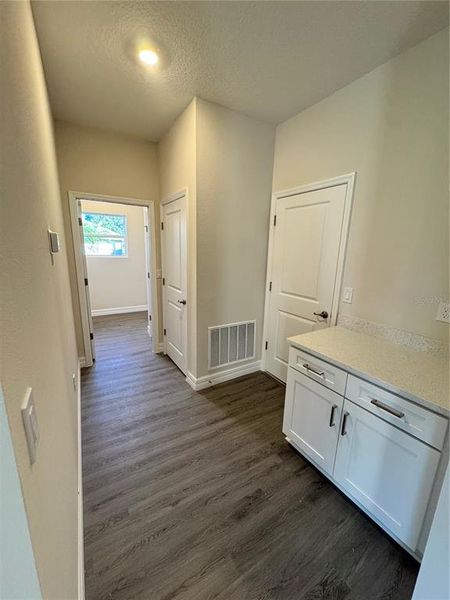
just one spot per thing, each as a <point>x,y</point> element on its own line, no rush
<point>274,220</point>
<point>267,345</point>
<point>164,281</point>
<point>91,336</point>
<point>146,228</point>
<point>162,225</point>
<point>80,222</point>
<point>86,282</point>
<point>270,286</point>
<point>148,275</point>
<point>164,332</point>
<point>149,317</point>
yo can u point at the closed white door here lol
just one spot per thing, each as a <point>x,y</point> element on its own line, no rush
<point>311,419</point>
<point>174,261</point>
<point>306,244</point>
<point>388,471</point>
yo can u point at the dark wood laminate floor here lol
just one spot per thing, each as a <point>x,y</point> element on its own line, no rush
<point>195,496</point>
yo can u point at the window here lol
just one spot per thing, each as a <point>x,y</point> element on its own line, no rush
<point>105,235</point>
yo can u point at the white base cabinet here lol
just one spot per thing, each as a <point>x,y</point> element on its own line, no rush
<point>312,416</point>
<point>386,470</point>
<point>364,445</point>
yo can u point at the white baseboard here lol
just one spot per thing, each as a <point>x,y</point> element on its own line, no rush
<point>160,347</point>
<point>98,312</point>
<point>206,381</point>
<point>82,362</point>
<point>81,594</point>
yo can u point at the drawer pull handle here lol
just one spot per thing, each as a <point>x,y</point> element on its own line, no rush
<point>344,421</point>
<point>397,413</point>
<point>314,370</point>
<point>333,408</point>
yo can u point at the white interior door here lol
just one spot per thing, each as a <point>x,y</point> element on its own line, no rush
<point>85,283</point>
<point>306,244</point>
<point>148,273</point>
<point>175,280</point>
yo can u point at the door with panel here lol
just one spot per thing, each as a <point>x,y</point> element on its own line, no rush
<point>306,247</point>
<point>386,470</point>
<point>174,264</point>
<point>311,419</point>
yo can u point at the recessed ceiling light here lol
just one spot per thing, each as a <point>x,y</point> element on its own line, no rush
<point>148,57</point>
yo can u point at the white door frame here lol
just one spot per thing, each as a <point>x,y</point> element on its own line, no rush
<point>183,193</point>
<point>81,269</point>
<point>349,181</point>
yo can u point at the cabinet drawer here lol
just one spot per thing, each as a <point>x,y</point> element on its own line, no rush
<point>318,370</point>
<point>416,420</point>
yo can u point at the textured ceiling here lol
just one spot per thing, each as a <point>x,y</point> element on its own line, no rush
<point>267,59</point>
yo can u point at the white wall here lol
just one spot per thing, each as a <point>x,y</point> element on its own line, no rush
<point>37,331</point>
<point>234,173</point>
<point>391,127</point>
<point>119,282</point>
<point>225,160</point>
<point>18,575</point>
<point>99,162</point>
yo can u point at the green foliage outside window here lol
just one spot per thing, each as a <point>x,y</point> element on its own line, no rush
<point>104,235</point>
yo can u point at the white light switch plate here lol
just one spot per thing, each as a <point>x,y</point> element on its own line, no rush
<point>443,313</point>
<point>347,295</point>
<point>30,424</point>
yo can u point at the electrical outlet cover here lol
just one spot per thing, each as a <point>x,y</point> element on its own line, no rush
<point>443,313</point>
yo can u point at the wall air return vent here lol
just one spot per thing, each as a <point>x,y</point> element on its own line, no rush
<point>230,344</point>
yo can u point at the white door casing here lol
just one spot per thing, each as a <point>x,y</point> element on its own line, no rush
<point>90,324</point>
<point>306,254</point>
<point>386,470</point>
<point>174,266</point>
<point>148,273</point>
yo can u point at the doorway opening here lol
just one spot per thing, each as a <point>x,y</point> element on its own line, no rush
<point>114,245</point>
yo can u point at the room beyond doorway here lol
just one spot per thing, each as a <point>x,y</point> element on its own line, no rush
<point>114,244</point>
<point>115,256</point>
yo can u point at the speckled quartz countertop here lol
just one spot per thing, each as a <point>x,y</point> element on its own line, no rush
<point>421,377</point>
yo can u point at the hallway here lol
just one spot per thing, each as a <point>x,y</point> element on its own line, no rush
<point>196,495</point>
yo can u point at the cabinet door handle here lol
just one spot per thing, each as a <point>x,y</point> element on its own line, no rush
<point>333,408</point>
<point>314,370</point>
<point>393,411</point>
<point>344,421</point>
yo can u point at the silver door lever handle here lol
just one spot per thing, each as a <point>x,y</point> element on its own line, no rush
<point>322,314</point>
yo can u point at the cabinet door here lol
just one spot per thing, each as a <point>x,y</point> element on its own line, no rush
<point>386,470</point>
<point>311,418</point>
